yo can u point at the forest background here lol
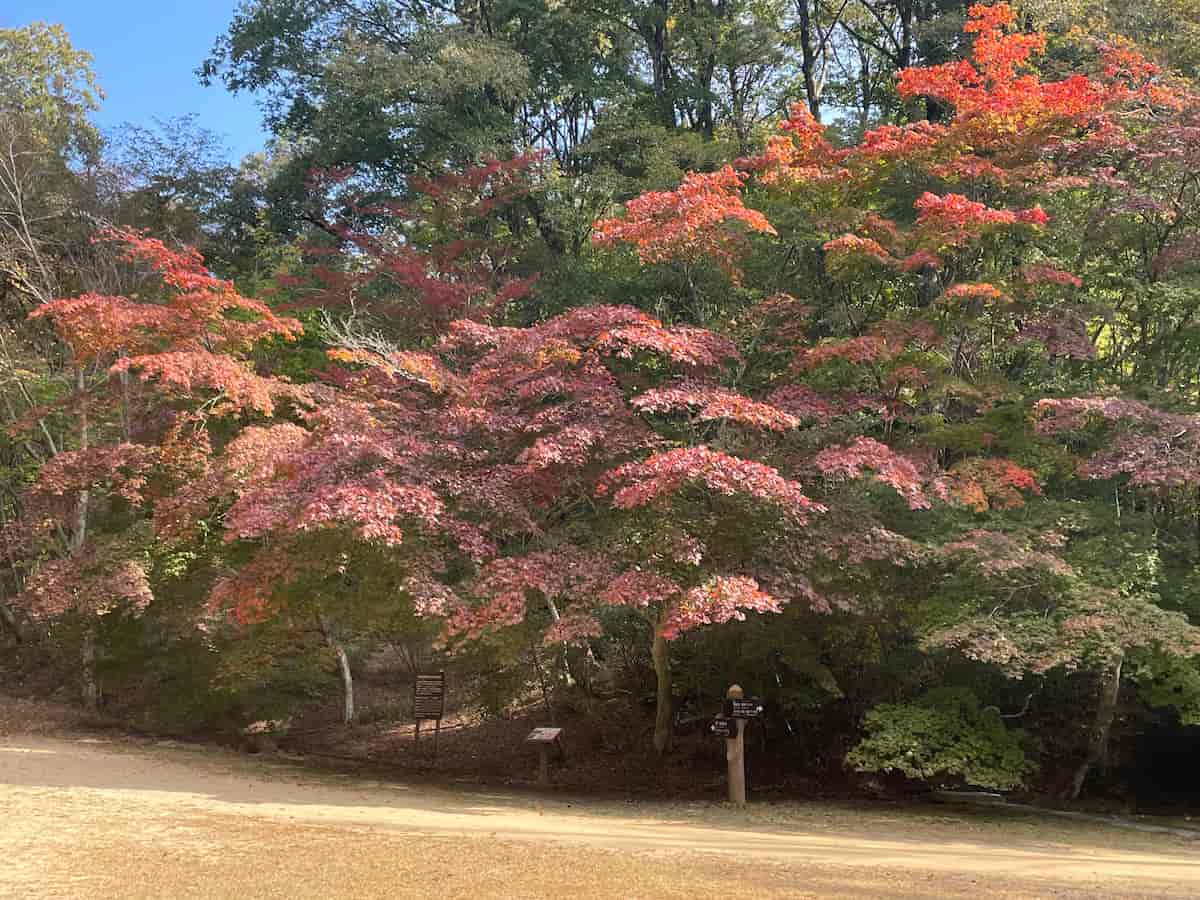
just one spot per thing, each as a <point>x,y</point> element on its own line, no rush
<point>603,354</point>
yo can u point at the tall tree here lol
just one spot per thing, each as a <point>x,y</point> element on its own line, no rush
<point>78,544</point>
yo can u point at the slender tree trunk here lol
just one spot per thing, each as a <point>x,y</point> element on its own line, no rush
<point>572,672</point>
<point>864,70</point>
<point>343,661</point>
<point>662,709</point>
<point>126,408</point>
<point>907,12</point>
<point>706,118</point>
<point>541,674</point>
<point>737,105</point>
<point>808,59</point>
<point>563,662</point>
<point>707,123</point>
<point>657,37</point>
<point>91,688</point>
<point>79,536</point>
<point>87,659</point>
<point>10,622</point>
<point>347,683</point>
<point>1097,754</point>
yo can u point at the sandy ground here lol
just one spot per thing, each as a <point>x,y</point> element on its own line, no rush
<point>88,817</point>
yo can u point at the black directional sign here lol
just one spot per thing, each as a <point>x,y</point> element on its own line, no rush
<point>720,726</point>
<point>744,708</point>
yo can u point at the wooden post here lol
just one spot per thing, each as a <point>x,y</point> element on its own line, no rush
<point>735,754</point>
<point>544,737</point>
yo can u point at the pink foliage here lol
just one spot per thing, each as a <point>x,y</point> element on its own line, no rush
<point>1039,273</point>
<point>639,589</point>
<point>885,465</point>
<point>640,483</point>
<point>720,599</point>
<point>714,403</point>
<point>998,554</point>
<point>92,583</point>
<point>121,469</point>
<point>574,628</point>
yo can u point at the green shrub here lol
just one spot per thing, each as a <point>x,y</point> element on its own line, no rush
<point>943,738</point>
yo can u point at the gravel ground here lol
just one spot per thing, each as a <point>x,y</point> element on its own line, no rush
<point>102,816</point>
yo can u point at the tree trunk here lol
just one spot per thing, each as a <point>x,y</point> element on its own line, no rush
<point>126,407</point>
<point>10,622</point>
<point>662,709</point>
<point>705,114</point>
<point>563,662</point>
<point>737,105</point>
<point>541,674</point>
<point>864,76</point>
<point>572,671</point>
<point>907,12</point>
<point>87,658</point>
<point>1097,754</point>
<point>657,37</point>
<point>343,661</point>
<point>79,534</point>
<point>78,537</point>
<point>706,118</point>
<point>347,683</point>
<point>808,59</point>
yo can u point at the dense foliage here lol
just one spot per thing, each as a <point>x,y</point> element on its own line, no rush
<point>585,357</point>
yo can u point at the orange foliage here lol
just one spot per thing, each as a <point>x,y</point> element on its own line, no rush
<point>689,224</point>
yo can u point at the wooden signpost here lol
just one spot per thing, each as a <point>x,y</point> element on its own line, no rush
<point>732,727</point>
<point>545,738</point>
<point>429,702</point>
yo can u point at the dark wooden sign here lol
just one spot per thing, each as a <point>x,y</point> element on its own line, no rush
<point>429,696</point>
<point>721,726</point>
<point>743,708</point>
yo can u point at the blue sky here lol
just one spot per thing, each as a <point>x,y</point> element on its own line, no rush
<point>146,54</point>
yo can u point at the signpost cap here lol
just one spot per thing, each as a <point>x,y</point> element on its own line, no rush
<point>735,692</point>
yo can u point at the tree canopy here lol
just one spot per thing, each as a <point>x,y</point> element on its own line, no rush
<point>849,346</point>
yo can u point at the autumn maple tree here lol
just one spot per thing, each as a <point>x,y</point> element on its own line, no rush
<point>940,311</point>
<point>603,457</point>
<point>191,336</point>
<point>955,316</point>
<point>467,459</point>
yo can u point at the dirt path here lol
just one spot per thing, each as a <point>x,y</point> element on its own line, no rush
<point>84,817</point>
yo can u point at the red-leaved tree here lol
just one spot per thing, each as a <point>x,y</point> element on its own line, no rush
<point>190,334</point>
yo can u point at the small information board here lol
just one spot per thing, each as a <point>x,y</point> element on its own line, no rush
<point>743,708</point>
<point>544,735</point>
<point>544,739</point>
<point>429,696</point>
<point>429,702</point>
<point>724,727</point>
